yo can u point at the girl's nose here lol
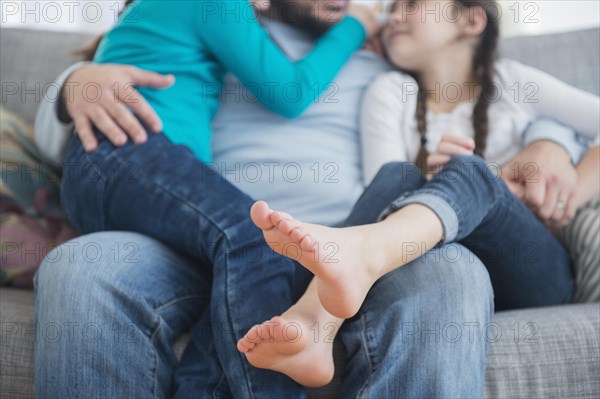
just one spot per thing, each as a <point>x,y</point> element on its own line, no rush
<point>395,18</point>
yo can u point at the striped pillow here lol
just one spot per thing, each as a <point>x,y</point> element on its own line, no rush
<point>582,239</point>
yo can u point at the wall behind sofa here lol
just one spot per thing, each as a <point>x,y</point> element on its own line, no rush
<point>519,17</point>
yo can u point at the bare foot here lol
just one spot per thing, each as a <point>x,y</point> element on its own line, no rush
<point>285,344</point>
<point>345,261</point>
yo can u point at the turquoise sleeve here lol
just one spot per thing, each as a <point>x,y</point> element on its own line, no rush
<point>232,34</point>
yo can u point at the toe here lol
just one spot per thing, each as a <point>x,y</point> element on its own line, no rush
<point>307,243</point>
<point>244,345</point>
<point>261,215</point>
<point>287,226</point>
<point>254,335</point>
<point>298,234</point>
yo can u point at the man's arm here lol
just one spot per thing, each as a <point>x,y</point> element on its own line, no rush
<point>550,130</point>
<point>52,133</point>
<point>115,101</point>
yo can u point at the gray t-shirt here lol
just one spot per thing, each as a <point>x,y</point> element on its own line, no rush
<point>309,166</point>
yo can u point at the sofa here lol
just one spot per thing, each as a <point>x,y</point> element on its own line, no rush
<point>544,352</point>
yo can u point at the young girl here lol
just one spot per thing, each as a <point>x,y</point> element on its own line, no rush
<point>456,99</point>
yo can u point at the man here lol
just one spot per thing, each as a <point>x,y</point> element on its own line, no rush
<point>142,295</point>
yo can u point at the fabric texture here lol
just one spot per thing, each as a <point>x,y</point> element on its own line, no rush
<point>557,355</point>
<point>581,237</point>
<point>31,221</point>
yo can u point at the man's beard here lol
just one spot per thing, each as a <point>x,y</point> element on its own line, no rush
<point>301,17</point>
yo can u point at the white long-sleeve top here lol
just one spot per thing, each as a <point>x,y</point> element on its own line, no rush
<point>389,126</point>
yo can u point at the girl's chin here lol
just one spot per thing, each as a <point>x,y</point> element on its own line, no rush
<point>399,61</point>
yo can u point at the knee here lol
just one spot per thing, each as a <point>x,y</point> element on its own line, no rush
<point>77,269</point>
<point>401,174</point>
<point>464,279</point>
<point>473,168</point>
<point>447,283</point>
<point>473,164</point>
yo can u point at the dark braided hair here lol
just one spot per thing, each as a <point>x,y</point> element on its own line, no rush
<point>483,68</point>
<point>87,53</point>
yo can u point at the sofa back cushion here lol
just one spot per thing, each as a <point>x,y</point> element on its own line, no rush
<point>30,60</point>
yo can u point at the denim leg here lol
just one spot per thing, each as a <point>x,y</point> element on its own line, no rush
<point>528,266</point>
<point>108,308</point>
<point>420,331</point>
<point>162,190</point>
<point>392,180</point>
<point>199,373</point>
<point>446,290</point>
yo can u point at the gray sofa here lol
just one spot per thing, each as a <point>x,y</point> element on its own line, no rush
<point>547,352</point>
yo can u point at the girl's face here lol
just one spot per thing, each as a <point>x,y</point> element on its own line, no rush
<point>418,30</point>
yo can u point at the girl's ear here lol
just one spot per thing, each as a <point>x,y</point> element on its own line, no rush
<point>476,21</point>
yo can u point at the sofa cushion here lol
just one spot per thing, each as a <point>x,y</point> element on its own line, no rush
<point>30,61</point>
<point>570,56</point>
<point>16,343</point>
<point>545,352</point>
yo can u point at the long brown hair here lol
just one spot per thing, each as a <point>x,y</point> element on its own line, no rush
<point>87,53</point>
<point>483,68</point>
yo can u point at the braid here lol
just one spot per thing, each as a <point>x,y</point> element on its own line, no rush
<point>421,116</point>
<point>484,69</point>
<point>483,66</point>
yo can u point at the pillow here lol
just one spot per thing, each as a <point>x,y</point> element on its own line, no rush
<point>582,239</point>
<point>31,221</point>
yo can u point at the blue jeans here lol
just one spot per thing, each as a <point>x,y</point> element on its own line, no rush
<point>528,266</point>
<point>138,295</point>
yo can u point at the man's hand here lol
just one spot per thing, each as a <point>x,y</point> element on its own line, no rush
<point>543,177</point>
<point>103,96</point>
<point>450,146</point>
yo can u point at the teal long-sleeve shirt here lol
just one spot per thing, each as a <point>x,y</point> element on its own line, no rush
<point>199,40</point>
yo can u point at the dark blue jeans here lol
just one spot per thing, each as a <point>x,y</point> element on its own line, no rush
<point>528,266</point>
<point>161,190</point>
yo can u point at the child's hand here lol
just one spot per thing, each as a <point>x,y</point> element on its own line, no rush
<point>367,17</point>
<point>450,146</point>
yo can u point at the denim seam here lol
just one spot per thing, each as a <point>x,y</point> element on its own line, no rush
<point>231,325</point>
<point>365,342</point>
<point>176,300</point>
<point>215,393</point>
<point>103,195</point>
<point>154,354</point>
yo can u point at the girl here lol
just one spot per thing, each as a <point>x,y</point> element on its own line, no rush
<point>455,86</point>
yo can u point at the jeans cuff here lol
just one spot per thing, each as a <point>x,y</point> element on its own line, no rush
<point>438,205</point>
